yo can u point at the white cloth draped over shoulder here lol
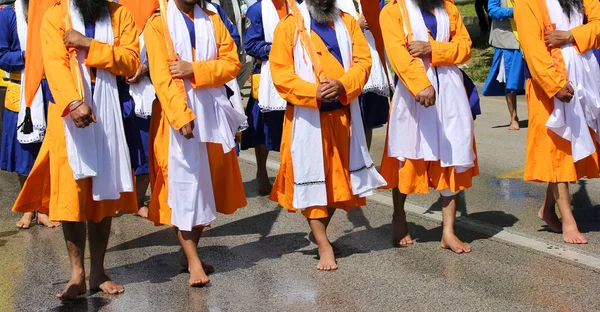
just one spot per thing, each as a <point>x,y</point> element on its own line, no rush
<point>100,150</point>
<point>309,169</point>
<point>236,99</point>
<point>443,132</point>
<point>378,80</point>
<point>38,112</point>
<point>189,184</point>
<point>268,97</point>
<point>143,92</point>
<point>573,120</point>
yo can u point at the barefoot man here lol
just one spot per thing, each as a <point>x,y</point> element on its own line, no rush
<point>194,169</point>
<point>430,141</point>
<point>325,162</point>
<point>86,160</point>
<point>19,150</point>
<point>563,96</point>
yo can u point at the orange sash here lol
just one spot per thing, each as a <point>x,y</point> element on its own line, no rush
<point>73,62</point>
<point>556,53</point>
<point>169,43</point>
<point>371,10</point>
<point>408,29</point>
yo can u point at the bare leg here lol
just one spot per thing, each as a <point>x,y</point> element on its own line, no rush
<point>264,185</point>
<point>570,231</point>
<point>27,218</point>
<point>319,230</point>
<point>369,135</point>
<point>449,239</point>
<point>44,220</point>
<point>189,241</point>
<point>311,236</point>
<point>141,186</point>
<point>511,101</point>
<point>548,210</point>
<point>74,233</point>
<point>183,261</point>
<point>98,234</point>
<point>400,235</point>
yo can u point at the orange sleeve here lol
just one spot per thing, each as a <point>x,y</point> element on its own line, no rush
<point>290,86</point>
<point>458,50</point>
<point>405,66</point>
<point>586,36</point>
<point>122,58</point>
<point>216,73</point>
<point>356,77</point>
<point>172,100</point>
<point>56,60</point>
<point>537,56</point>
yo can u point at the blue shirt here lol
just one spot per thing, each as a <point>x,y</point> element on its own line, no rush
<point>497,12</point>
<point>11,56</point>
<point>232,28</point>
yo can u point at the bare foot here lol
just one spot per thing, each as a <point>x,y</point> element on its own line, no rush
<point>25,221</point>
<point>514,125</point>
<point>336,250</point>
<point>400,235</point>
<point>326,259</point>
<point>43,219</point>
<point>105,284</point>
<point>143,212</point>
<point>551,219</point>
<point>208,269</point>
<point>264,185</point>
<point>74,288</point>
<point>198,277</point>
<point>450,241</point>
<point>573,236</point>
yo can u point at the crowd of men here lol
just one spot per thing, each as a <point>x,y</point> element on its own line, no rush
<point>137,93</point>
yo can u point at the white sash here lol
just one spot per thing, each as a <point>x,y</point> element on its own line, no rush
<point>143,93</point>
<point>378,80</point>
<point>268,97</point>
<point>38,113</point>
<point>236,99</point>
<point>442,132</point>
<point>190,192</point>
<point>100,150</point>
<point>572,120</point>
<point>309,169</point>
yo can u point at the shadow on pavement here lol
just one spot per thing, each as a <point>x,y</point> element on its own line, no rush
<point>585,212</point>
<point>258,224</point>
<point>523,124</point>
<point>83,304</point>
<point>6,234</point>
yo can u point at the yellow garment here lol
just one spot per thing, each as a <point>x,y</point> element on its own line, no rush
<point>513,24</point>
<point>51,185</point>
<point>12,99</point>
<point>549,156</point>
<point>172,112</point>
<point>417,176</point>
<point>335,125</point>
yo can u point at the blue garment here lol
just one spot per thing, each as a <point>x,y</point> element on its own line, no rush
<point>11,56</point>
<point>430,22</point>
<point>144,128</point>
<point>497,12</point>
<point>263,128</point>
<point>132,133</point>
<point>233,31</point>
<point>514,70</point>
<point>254,41</point>
<point>374,110</point>
<point>329,38</point>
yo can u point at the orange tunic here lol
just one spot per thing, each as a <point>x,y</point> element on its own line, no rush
<point>51,185</point>
<point>335,125</point>
<point>417,176</point>
<point>172,111</point>
<point>549,156</point>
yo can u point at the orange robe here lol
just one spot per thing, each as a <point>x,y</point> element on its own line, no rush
<point>335,125</point>
<point>417,176</point>
<point>51,185</point>
<point>172,111</point>
<point>549,156</point>
<point>141,10</point>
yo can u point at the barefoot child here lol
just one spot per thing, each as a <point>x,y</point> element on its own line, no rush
<point>324,158</point>
<point>194,168</point>
<point>430,141</point>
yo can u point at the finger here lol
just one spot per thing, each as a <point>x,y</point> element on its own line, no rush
<point>328,94</point>
<point>93,116</point>
<point>570,89</point>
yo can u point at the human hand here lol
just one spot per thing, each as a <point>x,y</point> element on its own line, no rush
<point>558,38</point>
<point>426,97</point>
<point>81,114</point>
<point>187,130</point>
<point>139,74</point>
<point>332,90</point>
<point>181,69</point>
<point>566,93</point>
<point>419,48</point>
<point>74,39</point>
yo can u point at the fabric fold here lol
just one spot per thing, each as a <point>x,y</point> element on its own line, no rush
<point>143,92</point>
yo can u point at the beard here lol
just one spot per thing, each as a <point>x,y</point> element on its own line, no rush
<point>91,10</point>
<point>429,5</point>
<point>569,6</point>
<point>323,11</point>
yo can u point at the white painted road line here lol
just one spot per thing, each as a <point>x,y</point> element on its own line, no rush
<point>494,231</point>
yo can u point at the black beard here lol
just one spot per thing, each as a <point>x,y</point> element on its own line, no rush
<point>323,11</point>
<point>430,5</point>
<point>91,10</point>
<point>571,5</point>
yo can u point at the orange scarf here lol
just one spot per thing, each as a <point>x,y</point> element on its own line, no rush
<point>556,53</point>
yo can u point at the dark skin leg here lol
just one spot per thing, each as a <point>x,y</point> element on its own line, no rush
<point>98,234</point>
<point>141,185</point>
<point>571,234</point>
<point>548,211</point>
<point>449,239</point>
<point>74,234</point>
<point>511,101</point>
<point>369,135</point>
<point>318,228</point>
<point>27,218</point>
<point>189,241</point>
<point>400,235</point>
<point>264,185</point>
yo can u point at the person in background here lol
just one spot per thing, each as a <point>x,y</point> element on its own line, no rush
<point>481,7</point>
